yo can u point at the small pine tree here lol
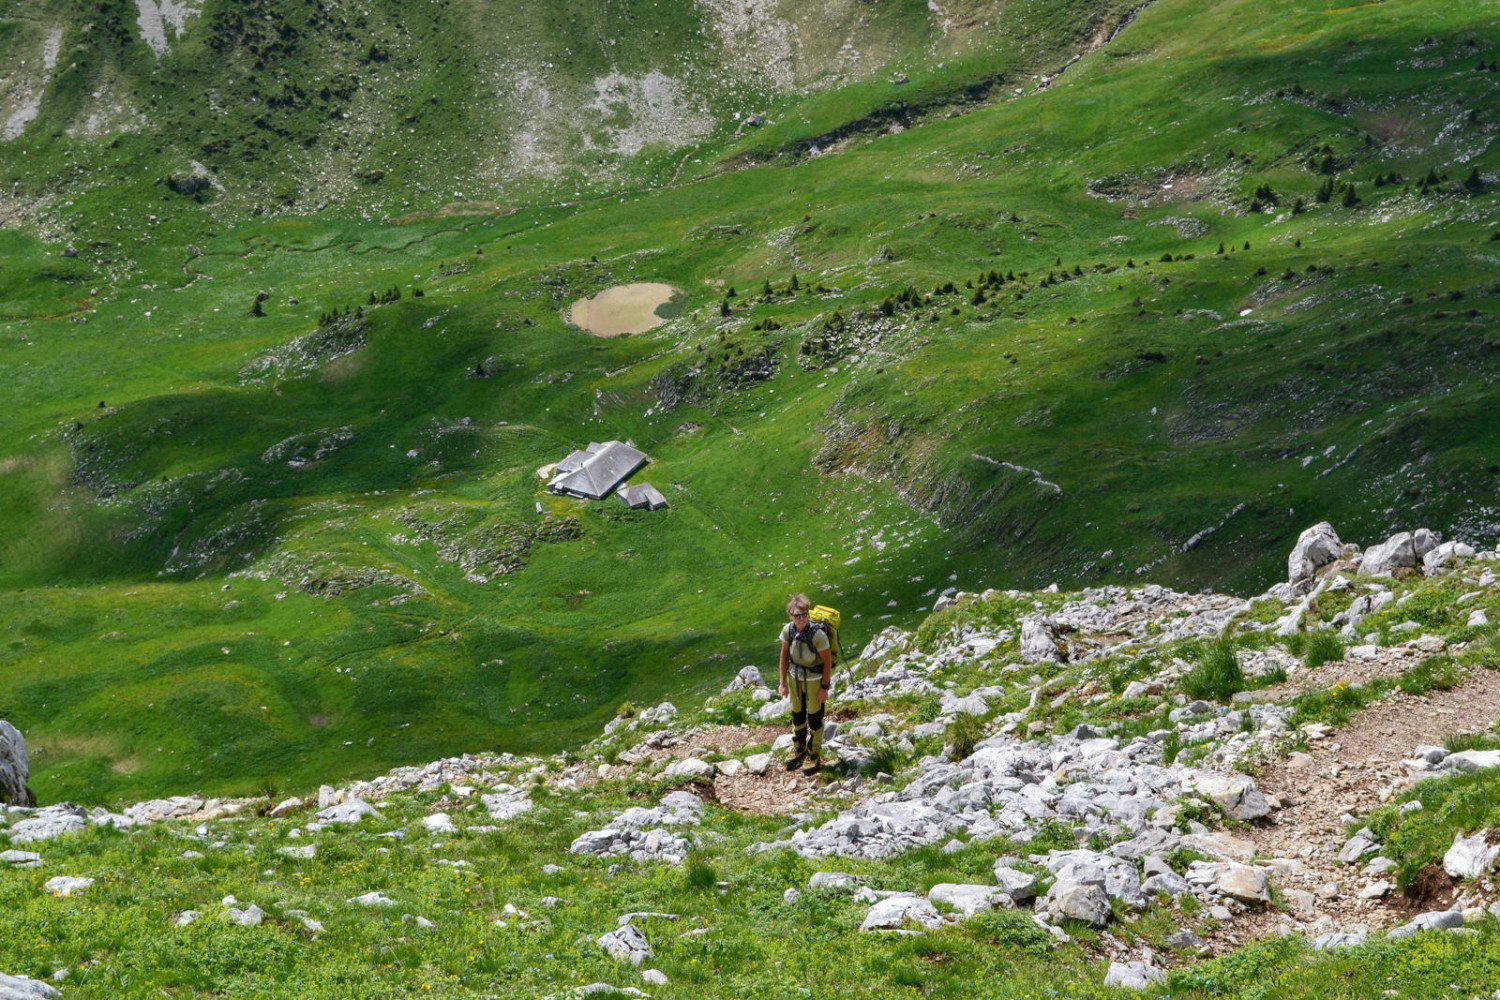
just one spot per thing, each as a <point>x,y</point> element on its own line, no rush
<point>1325,190</point>
<point>767,291</point>
<point>794,284</point>
<point>1351,197</point>
<point>1221,247</point>
<point>1298,207</point>
<point>723,307</point>
<point>255,309</point>
<point>1473,183</point>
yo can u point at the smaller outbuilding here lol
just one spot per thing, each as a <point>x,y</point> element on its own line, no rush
<point>642,496</point>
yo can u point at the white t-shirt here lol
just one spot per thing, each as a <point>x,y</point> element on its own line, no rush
<point>806,660</point>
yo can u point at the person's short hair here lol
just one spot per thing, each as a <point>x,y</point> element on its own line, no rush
<point>798,603</point>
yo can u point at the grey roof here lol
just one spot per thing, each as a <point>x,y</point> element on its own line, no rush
<point>643,495</point>
<point>575,461</point>
<point>606,467</point>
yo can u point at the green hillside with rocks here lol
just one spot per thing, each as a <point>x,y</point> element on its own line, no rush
<point>1104,793</point>
<point>312,312</point>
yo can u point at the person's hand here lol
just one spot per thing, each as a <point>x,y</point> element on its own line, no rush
<point>781,689</point>
<point>822,696</point>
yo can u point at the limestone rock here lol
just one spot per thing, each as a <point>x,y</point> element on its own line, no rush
<point>1316,547</point>
<point>1467,760</point>
<point>1242,882</point>
<point>287,806</point>
<point>834,882</point>
<point>506,802</point>
<point>690,768</point>
<point>439,823</point>
<point>351,811</point>
<point>748,677</point>
<point>1236,794</point>
<point>1431,921</point>
<point>15,768</point>
<point>758,764</point>
<point>1338,939</point>
<point>626,944</point>
<point>378,900</point>
<point>1403,550</point>
<point>1018,885</point>
<point>66,885</point>
<point>1080,902</point>
<point>1134,975</point>
<point>967,899</point>
<point>1168,883</point>
<point>1444,557</point>
<point>1470,857</point>
<point>251,916</point>
<point>1358,846</point>
<point>897,912</point>
<point>23,988</point>
<point>1039,642</point>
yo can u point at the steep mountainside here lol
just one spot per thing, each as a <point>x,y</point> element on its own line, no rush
<point>956,295</point>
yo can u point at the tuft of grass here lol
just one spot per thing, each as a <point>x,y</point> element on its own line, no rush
<point>1217,676</point>
<point>1436,673</point>
<point>1322,646</point>
<point>964,734</point>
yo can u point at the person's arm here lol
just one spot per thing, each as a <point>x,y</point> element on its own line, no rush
<point>827,675</point>
<point>781,686</point>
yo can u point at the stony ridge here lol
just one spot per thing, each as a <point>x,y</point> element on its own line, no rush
<point>1165,814</point>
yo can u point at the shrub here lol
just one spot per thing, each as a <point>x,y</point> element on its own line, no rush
<point>1217,675</point>
<point>1322,646</point>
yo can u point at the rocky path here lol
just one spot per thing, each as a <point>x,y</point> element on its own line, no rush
<point>1348,774</point>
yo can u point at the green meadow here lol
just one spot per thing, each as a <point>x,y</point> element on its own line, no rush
<point>269,464</point>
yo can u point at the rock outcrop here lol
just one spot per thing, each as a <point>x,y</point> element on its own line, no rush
<point>15,768</point>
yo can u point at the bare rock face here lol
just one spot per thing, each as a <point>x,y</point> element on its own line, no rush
<point>15,768</point>
<point>1316,547</point>
<point>1403,550</point>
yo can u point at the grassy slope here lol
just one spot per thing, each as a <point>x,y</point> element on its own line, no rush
<point>116,939</point>
<point>1156,420</point>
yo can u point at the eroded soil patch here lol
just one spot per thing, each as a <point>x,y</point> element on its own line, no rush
<point>624,309</point>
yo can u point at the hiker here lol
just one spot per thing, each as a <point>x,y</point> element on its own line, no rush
<point>806,672</point>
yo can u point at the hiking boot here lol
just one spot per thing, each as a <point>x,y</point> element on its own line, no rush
<point>799,754</point>
<point>814,765</point>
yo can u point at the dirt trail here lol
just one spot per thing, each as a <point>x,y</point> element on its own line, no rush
<point>1345,775</point>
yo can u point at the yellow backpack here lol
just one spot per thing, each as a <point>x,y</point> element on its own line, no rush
<point>827,620</point>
